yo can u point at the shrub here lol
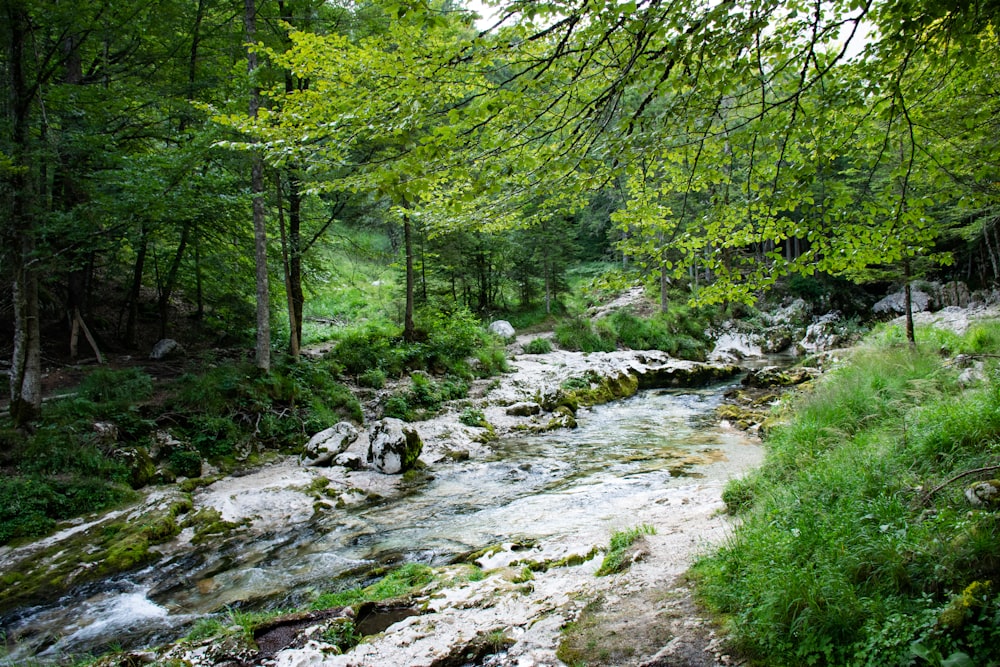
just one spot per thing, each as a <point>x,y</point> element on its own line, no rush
<point>578,334</point>
<point>373,378</point>
<point>538,346</point>
<point>473,417</point>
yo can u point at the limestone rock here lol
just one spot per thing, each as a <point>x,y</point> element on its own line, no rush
<point>955,293</point>
<point>323,447</point>
<point>984,494</point>
<point>896,303</point>
<point>393,446</point>
<point>524,409</point>
<point>166,348</point>
<point>685,374</point>
<point>822,334</point>
<point>773,376</point>
<point>349,460</point>
<point>165,444</point>
<point>562,417</point>
<point>502,328</point>
<point>105,433</point>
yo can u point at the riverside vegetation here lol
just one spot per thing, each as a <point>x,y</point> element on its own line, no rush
<point>857,543</point>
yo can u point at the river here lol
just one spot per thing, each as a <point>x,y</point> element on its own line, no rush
<point>566,485</point>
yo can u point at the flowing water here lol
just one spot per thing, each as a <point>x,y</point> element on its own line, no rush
<point>568,484</point>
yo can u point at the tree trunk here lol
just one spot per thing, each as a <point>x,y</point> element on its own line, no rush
<point>409,329</point>
<point>26,360</point>
<point>293,305</point>
<point>163,303</point>
<point>133,297</point>
<point>908,305</point>
<point>263,349</point>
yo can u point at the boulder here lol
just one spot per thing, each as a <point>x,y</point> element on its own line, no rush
<point>166,348</point>
<point>822,334</point>
<point>984,494</point>
<point>955,293</point>
<point>562,417</point>
<point>685,374</point>
<point>326,445</point>
<point>393,446</point>
<point>773,376</point>
<point>895,304</point>
<point>141,469</point>
<point>503,329</point>
<point>524,409</point>
<point>349,460</point>
<point>105,433</point>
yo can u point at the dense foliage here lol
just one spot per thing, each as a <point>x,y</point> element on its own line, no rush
<point>858,545</point>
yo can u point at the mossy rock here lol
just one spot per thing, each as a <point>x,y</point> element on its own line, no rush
<point>772,376</point>
<point>685,374</point>
<point>141,468</point>
<point>562,417</point>
<point>984,494</point>
<point>129,553</point>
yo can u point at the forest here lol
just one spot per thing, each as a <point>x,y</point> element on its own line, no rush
<point>307,197</point>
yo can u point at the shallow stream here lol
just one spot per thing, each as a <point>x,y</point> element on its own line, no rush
<point>574,485</point>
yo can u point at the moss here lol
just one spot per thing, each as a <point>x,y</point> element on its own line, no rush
<point>571,560</point>
<point>209,523</point>
<point>128,553</point>
<point>594,389</point>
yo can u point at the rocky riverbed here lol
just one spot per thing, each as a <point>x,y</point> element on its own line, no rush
<point>290,513</point>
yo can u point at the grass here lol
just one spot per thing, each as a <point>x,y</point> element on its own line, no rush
<point>841,557</point>
<point>681,332</point>
<point>398,583</point>
<point>615,558</point>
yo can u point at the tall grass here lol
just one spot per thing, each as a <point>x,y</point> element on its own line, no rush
<point>842,558</point>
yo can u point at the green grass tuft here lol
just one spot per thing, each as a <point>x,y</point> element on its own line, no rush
<point>615,558</point>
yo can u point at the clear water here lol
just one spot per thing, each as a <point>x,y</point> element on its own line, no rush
<point>567,482</point>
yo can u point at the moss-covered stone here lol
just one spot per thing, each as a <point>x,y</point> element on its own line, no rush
<point>562,417</point>
<point>141,468</point>
<point>128,553</point>
<point>772,376</point>
<point>208,523</point>
<point>685,374</point>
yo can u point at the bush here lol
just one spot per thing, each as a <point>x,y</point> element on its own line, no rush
<point>473,417</point>
<point>538,346</point>
<point>424,397</point>
<point>373,378</point>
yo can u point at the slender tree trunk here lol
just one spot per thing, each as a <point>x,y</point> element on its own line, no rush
<point>409,328</point>
<point>908,305</point>
<point>295,256</point>
<point>133,297</point>
<point>548,288</point>
<point>263,349</point>
<point>167,289</point>
<point>294,339</point>
<point>26,360</point>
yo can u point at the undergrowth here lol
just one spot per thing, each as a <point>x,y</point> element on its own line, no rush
<point>681,332</point>
<point>844,555</point>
